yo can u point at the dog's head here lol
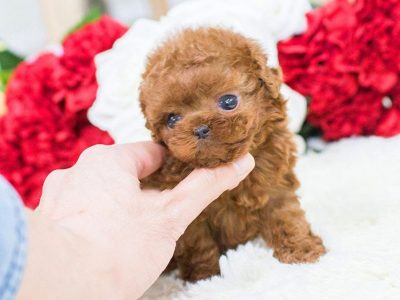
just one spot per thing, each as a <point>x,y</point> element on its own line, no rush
<point>209,97</point>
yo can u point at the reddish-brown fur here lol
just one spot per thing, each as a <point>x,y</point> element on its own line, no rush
<point>186,75</point>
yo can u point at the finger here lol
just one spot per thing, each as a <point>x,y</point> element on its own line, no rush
<point>146,157</point>
<point>202,186</point>
<point>138,159</point>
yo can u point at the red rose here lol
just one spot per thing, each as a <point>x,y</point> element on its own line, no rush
<point>46,126</point>
<point>348,63</point>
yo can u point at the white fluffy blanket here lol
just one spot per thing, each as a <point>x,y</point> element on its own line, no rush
<point>351,193</point>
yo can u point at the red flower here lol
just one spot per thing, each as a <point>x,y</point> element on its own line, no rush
<point>348,63</point>
<point>46,127</point>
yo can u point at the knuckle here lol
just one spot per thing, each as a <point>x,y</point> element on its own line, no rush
<point>96,149</point>
<point>54,177</point>
<point>93,151</point>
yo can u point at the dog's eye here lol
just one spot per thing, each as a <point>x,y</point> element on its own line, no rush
<point>228,102</point>
<point>172,119</point>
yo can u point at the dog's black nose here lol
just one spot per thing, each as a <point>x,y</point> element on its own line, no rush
<point>202,132</point>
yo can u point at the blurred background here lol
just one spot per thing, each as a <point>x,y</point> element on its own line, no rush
<point>28,26</point>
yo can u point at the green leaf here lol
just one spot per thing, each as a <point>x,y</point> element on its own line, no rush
<point>9,60</point>
<point>93,15</point>
<point>4,78</point>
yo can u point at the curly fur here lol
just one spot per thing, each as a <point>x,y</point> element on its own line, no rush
<point>186,75</point>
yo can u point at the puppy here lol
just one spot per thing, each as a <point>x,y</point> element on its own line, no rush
<point>209,98</point>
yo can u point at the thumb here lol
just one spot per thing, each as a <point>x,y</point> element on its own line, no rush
<point>202,186</point>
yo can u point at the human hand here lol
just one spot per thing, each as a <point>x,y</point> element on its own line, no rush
<point>119,237</point>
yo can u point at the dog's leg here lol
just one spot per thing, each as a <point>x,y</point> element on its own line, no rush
<point>287,231</point>
<point>197,254</point>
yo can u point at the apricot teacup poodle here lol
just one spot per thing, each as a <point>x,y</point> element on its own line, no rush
<point>209,98</point>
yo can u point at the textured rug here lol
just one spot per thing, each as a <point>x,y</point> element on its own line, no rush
<point>351,193</point>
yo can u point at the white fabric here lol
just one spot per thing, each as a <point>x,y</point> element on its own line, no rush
<point>119,70</point>
<point>351,195</point>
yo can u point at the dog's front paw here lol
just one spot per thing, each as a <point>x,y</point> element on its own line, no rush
<point>306,250</point>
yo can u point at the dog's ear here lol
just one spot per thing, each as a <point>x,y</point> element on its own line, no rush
<point>270,78</point>
<point>143,105</point>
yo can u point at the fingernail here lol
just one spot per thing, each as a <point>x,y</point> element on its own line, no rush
<point>245,164</point>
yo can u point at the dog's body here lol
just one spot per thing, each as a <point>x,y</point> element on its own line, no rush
<point>209,97</point>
